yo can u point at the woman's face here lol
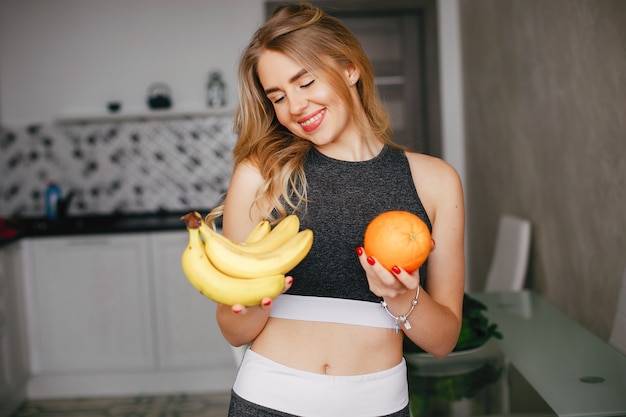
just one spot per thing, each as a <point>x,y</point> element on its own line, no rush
<point>307,106</point>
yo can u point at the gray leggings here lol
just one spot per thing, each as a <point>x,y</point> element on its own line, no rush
<point>240,407</point>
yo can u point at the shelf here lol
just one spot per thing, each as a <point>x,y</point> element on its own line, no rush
<point>142,115</point>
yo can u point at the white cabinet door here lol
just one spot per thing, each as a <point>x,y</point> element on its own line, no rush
<point>91,304</point>
<point>13,359</point>
<point>187,330</point>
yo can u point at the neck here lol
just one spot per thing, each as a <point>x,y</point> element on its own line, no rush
<point>355,151</point>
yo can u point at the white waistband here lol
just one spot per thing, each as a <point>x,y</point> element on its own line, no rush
<point>271,384</point>
<point>331,310</point>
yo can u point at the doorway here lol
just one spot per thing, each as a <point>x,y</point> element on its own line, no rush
<point>400,38</point>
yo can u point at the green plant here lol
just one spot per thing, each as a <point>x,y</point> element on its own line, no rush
<point>475,329</point>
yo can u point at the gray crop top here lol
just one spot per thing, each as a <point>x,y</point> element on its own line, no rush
<point>343,197</point>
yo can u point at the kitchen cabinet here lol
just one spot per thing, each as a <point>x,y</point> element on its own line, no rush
<point>114,315</point>
<point>188,335</point>
<point>91,304</point>
<point>13,359</point>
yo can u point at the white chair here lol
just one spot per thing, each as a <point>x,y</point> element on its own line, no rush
<point>509,263</point>
<point>618,334</point>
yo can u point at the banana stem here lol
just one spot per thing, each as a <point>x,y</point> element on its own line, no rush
<point>192,220</point>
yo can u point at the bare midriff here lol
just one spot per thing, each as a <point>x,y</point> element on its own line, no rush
<point>329,348</point>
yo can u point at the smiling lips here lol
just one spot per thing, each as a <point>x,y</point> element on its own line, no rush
<point>311,123</point>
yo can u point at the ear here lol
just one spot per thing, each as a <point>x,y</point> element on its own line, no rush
<point>352,74</point>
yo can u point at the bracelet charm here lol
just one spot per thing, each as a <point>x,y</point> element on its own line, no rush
<point>402,320</point>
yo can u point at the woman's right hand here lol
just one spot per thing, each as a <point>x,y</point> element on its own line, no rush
<point>240,324</point>
<point>266,302</point>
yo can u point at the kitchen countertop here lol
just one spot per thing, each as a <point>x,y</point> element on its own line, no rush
<point>98,224</point>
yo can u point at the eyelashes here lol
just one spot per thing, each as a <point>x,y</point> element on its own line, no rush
<point>281,98</point>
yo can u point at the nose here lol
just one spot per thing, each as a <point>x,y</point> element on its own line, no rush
<point>297,103</point>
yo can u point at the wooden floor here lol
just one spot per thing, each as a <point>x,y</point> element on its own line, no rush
<point>179,405</point>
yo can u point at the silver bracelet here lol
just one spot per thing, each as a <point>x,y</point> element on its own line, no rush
<point>402,320</point>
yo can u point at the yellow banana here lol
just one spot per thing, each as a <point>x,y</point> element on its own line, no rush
<point>236,261</point>
<point>277,238</point>
<point>220,287</point>
<point>284,230</point>
<point>260,231</point>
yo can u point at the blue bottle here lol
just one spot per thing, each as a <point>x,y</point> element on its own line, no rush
<point>53,195</point>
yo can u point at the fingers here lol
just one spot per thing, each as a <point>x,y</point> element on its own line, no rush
<point>383,282</point>
<point>288,283</point>
<point>409,281</point>
<point>239,309</point>
<point>266,302</point>
<point>371,267</point>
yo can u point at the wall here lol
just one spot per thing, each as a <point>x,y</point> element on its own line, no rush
<point>545,83</point>
<point>70,57</point>
<point>451,87</point>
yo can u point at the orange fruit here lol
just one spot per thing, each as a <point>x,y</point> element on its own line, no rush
<point>399,238</point>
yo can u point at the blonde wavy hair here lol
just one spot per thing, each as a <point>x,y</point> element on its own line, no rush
<point>314,40</point>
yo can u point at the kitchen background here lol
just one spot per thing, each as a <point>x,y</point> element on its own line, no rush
<point>118,167</point>
<point>532,116</point>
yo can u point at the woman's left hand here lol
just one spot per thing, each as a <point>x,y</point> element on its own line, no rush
<point>385,283</point>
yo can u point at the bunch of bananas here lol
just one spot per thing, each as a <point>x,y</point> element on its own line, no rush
<point>228,272</point>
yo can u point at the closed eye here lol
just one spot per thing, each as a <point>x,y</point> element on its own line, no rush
<point>277,100</point>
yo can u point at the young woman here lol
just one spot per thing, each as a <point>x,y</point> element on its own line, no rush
<point>315,140</point>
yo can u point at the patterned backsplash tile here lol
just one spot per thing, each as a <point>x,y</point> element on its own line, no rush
<point>131,166</point>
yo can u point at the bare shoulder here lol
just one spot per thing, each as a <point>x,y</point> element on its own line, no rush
<point>432,172</point>
<point>436,181</point>
<point>428,166</point>
<point>239,209</point>
<point>247,170</point>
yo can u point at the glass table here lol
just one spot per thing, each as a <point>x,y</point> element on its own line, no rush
<point>546,364</point>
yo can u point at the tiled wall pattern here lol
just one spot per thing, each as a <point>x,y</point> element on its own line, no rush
<point>132,166</point>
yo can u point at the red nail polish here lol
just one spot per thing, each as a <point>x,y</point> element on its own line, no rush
<point>395,269</point>
<point>289,281</point>
<point>359,251</point>
<point>370,260</point>
<point>237,310</point>
<point>267,303</point>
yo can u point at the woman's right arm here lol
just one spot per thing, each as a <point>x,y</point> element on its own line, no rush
<point>239,324</point>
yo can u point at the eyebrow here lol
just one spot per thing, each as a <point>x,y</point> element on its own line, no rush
<point>291,80</point>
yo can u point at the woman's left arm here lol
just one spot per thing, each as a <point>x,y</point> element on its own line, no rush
<point>435,322</point>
